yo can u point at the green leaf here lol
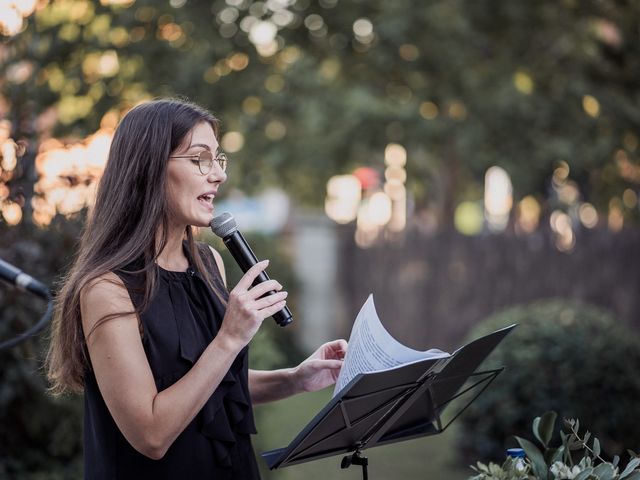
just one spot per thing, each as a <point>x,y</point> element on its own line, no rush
<point>633,476</point>
<point>557,457</point>
<point>573,443</point>
<point>616,460</point>
<point>535,427</point>
<point>633,463</point>
<point>596,447</point>
<point>543,427</point>
<point>535,457</point>
<point>584,475</point>
<point>550,454</point>
<point>604,471</point>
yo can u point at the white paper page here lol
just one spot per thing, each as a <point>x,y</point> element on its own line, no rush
<point>372,348</point>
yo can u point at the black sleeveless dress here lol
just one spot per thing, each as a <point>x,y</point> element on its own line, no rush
<point>181,320</point>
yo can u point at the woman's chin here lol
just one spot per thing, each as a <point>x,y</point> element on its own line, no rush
<point>202,223</point>
<point>207,219</point>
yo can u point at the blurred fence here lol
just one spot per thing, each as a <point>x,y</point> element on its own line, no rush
<point>430,289</point>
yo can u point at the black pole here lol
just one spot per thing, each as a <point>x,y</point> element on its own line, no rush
<point>356,459</point>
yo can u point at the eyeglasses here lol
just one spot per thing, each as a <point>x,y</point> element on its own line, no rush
<point>205,159</point>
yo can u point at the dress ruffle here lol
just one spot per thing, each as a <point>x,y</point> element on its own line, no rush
<point>228,411</point>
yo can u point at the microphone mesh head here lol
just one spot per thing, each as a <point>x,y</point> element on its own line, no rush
<point>224,225</point>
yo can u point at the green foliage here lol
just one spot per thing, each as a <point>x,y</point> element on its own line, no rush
<point>577,360</point>
<point>463,85</point>
<point>574,459</point>
<point>41,437</point>
<point>511,469</point>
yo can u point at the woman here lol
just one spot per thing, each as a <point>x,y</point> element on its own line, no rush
<point>144,323</point>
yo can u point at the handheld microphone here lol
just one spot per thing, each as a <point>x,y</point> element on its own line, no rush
<point>225,227</point>
<point>17,278</point>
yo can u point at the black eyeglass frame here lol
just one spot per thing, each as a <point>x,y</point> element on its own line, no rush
<point>221,159</point>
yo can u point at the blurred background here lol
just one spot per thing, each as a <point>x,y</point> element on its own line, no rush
<point>470,163</point>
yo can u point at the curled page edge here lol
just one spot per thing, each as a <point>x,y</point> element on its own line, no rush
<point>381,352</point>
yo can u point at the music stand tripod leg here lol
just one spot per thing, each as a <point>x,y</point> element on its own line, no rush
<point>356,459</point>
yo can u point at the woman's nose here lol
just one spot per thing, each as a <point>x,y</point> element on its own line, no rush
<point>217,175</point>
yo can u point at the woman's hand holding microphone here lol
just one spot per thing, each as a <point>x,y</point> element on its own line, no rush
<point>247,308</point>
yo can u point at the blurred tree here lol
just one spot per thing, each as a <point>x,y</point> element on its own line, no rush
<point>311,89</point>
<point>575,358</point>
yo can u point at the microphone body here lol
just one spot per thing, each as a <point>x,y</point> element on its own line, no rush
<point>245,258</point>
<point>17,278</point>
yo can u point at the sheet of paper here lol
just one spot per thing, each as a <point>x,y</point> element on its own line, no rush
<point>372,348</point>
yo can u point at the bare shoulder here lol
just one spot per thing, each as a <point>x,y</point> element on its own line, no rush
<point>219,263</point>
<point>102,297</point>
<point>217,256</point>
<point>104,286</point>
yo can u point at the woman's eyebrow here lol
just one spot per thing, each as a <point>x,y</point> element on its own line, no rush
<point>200,145</point>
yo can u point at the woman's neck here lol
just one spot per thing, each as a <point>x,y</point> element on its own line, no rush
<point>172,256</point>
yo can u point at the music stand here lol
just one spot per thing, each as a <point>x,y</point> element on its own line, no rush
<point>389,406</point>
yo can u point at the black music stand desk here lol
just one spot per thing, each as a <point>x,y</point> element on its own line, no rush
<point>389,406</point>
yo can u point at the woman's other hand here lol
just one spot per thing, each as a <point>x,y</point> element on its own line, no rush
<point>322,368</point>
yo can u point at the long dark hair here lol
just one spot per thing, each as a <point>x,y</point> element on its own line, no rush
<point>122,228</point>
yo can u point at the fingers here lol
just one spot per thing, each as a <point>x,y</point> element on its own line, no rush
<point>245,289</point>
<point>270,300</point>
<point>330,364</point>
<point>338,345</point>
<point>262,288</point>
<point>276,307</point>
<point>342,343</point>
<point>334,349</point>
<point>248,278</point>
<point>248,306</point>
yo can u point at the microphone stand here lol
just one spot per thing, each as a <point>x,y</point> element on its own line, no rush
<point>32,330</point>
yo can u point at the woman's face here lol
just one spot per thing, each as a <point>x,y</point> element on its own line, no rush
<point>190,193</point>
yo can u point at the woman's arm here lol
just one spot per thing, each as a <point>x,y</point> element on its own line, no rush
<point>148,419</point>
<point>318,371</point>
<point>268,386</point>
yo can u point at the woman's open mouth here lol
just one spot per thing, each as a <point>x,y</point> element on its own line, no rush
<point>207,200</point>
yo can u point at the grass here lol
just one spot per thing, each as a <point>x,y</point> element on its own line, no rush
<point>425,458</point>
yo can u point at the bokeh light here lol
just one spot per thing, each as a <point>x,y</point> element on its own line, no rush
<point>591,106</point>
<point>561,225</point>
<point>523,82</point>
<point>468,218</point>
<point>377,208</point>
<point>69,174</point>
<point>630,198</point>
<point>13,14</point>
<point>12,213</point>
<point>395,155</point>
<point>232,142</point>
<point>498,198</point>
<point>344,193</point>
<point>588,215</point>
<point>528,214</point>
<point>429,110</point>
<point>616,217</point>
